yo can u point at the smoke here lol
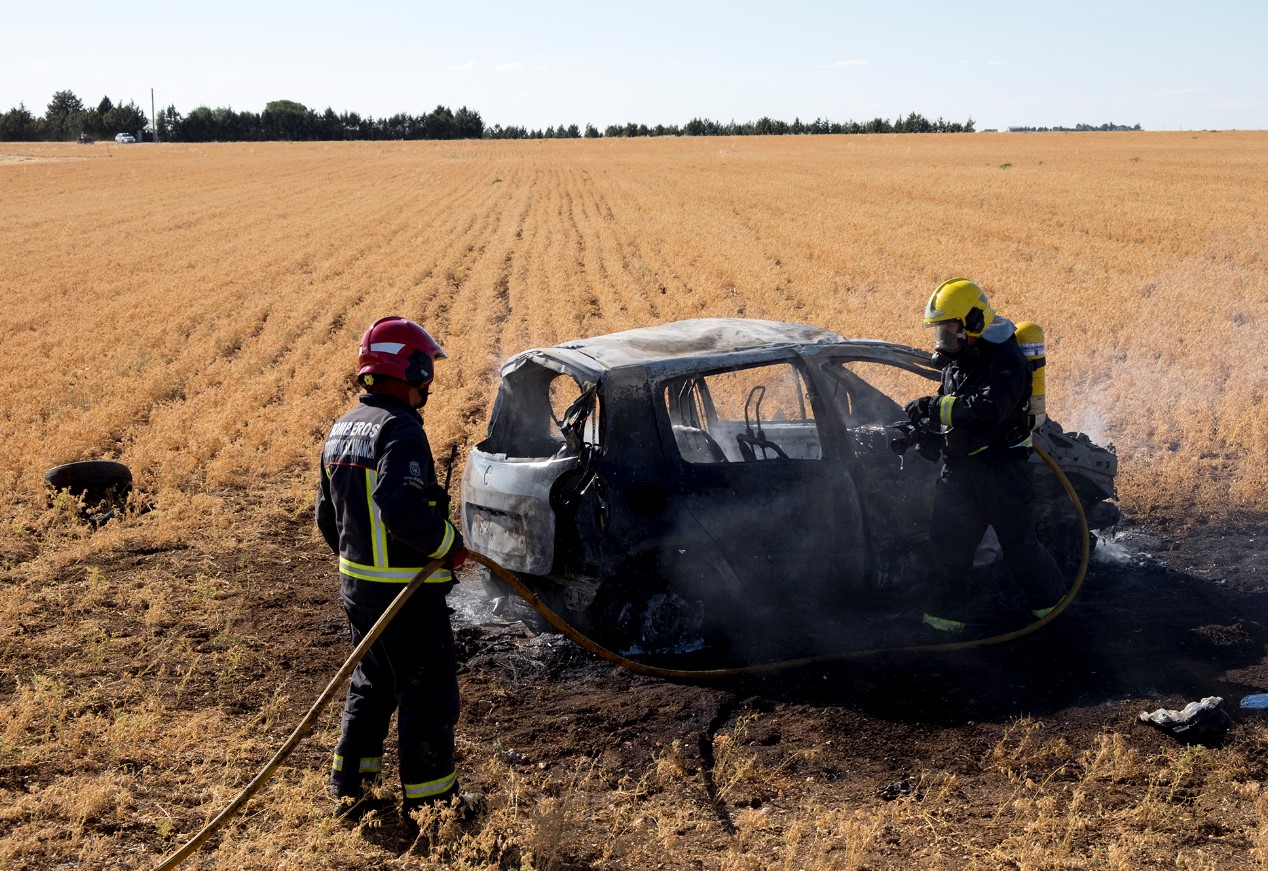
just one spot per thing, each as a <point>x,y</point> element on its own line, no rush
<point>1112,551</point>
<point>1126,548</point>
<point>1093,424</point>
<point>1169,370</point>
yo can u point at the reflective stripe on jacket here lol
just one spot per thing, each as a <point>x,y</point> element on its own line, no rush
<point>379,506</point>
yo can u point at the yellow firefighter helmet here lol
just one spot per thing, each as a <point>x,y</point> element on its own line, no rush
<point>959,299</point>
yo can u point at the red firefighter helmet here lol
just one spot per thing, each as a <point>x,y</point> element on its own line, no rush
<point>399,348</point>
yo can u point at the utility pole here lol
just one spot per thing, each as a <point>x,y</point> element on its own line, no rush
<point>153,117</point>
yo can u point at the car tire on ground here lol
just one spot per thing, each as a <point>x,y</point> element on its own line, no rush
<point>93,479</point>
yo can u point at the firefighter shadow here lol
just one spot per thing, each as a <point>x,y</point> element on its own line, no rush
<point>1141,632</point>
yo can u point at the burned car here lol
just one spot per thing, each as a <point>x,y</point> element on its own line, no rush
<point>668,483</point>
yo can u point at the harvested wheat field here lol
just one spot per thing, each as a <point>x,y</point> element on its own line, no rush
<point>193,311</point>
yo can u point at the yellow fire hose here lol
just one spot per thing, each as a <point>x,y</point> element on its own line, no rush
<point>305,725</point>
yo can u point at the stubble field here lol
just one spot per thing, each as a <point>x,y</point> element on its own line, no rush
<point>193,312</point>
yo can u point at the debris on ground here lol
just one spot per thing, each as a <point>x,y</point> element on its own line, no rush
<point>897,789</point>
<point>1203,722</point>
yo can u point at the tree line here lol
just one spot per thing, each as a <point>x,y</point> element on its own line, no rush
<point>1077,128</point>
<point>66,118</point>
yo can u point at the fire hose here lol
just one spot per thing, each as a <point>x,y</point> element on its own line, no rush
<point>305,726</point>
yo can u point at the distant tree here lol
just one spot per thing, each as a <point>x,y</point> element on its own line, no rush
<point>770,127</point>
<point>913,123</point>
<point>354,127</point>
<point>228,125</point>
<point>703,127</point>
<point>511,131</point>
<point>123,118</point>
<point>402,126</point>
<point>197,126</point>
<point>167,122</point>
<point>17,125</point>
<point>328,126</point>
<point>592,132</point>
<point>439,123</point>
<point>288,120</point>
<point>250,125</point>
<point>64,117</point>
<point>469,124</point>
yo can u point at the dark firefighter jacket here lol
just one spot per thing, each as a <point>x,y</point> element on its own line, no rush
<point>983,400</point>
<point>379,506</point>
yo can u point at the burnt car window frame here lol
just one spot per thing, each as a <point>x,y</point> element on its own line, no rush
<point>532,373</point>
<point>809,398</point>
<point>899,357</point>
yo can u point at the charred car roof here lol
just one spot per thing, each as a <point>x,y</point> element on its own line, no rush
<point>666,347</point>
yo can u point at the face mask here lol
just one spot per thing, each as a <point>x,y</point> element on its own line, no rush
<point>948,338</point>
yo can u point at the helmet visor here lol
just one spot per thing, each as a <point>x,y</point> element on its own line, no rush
<point>948,336</point>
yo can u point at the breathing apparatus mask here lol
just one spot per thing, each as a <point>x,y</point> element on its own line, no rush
<point>949,337</point>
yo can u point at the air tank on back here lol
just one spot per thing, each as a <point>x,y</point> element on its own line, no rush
<point>1030,337</point>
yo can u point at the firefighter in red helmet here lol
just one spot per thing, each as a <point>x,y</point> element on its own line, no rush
<point>382,511</point>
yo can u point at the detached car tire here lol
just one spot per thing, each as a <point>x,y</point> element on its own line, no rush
<point>92,478</point>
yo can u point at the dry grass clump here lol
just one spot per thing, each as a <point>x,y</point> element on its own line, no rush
<point>1107,806</point>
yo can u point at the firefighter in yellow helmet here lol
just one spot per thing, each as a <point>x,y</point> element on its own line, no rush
<point>980,416</point>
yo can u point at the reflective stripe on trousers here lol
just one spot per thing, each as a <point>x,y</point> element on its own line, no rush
<point>365,765</point>
<point>430,789</point>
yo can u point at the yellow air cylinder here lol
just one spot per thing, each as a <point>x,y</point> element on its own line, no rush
<point>1030,337</point>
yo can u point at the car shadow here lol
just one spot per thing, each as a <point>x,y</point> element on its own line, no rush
<point>1136,631</point>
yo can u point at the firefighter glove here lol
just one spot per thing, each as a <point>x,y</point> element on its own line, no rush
<point>929,446</point>
<point>918,409</point>
<point>457,558</point>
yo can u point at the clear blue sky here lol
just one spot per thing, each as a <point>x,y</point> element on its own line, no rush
<point>1162,64</point>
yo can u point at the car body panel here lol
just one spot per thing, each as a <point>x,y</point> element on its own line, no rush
<point>507,508</point>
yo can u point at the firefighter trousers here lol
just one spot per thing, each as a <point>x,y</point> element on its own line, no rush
<point>411,669</point>
<point>997,490</point>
